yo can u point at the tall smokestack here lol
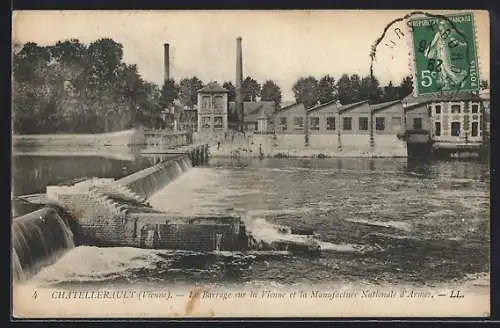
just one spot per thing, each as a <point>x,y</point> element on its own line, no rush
<point>239,84</point>
<point>166,61</point>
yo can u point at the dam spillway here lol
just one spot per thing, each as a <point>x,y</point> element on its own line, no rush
<point>39,238</point>
<point>105,212</point>
<point>108,212</point>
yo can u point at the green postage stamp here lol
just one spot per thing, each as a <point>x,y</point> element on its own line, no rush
<point>444,53</point>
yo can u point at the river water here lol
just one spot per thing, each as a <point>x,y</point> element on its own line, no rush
<point>381,221</point>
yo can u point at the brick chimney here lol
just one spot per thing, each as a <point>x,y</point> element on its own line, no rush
<point>239,83</point>
<point>166,61</point>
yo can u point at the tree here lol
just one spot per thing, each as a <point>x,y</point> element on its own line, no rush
<point>250,89</point>
<point>72,87</point>
<point>169,93</point>
<point>390,92</point>
<point>369,89</point>
<point>105,57</point>
<point>305,91</point>
<point>231,96</point>
<point>271,92</point>
<point>327,89</point>
<point>484,85</point>
<point>188,91</point>
<point>406,87</point>
<point>149,111</point>
<point>348,89</point>
<point>131,88</point>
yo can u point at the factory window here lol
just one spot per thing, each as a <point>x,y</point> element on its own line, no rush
<point>330,123</point>
<point>218,122</point>
<point>283,123</point>
<point>455,129</point>
<point>205,102</point>
<point>437,108</point>
<point>363,123</point>
<point>455,109</point>
<point>347,123</point>
<point>206,122</point>
<point>314,123</point>
<point>417,123</point>
<point>475,108</point>
<point>475,129</point>
<point>380,123</point>
<point>218,102</point>
<point>437,129</point>
<point>298,123</point>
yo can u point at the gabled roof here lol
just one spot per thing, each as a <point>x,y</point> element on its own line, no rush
<point>213,87</point>
<point>320,106</point>
<point>251,107</point>
<point>415,105</point>
<point>288,107</point>
<point>253,110</point>
<point>444,96</point>
<point>347,107</point>
<point>265,110</point>
<point>377,107</point>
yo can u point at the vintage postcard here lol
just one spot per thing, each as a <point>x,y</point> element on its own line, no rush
<point>228,164</point>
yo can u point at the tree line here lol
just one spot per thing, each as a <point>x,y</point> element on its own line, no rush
<point>348,89</point>
<point>77,88</point>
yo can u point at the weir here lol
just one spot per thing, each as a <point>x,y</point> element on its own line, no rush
<point>38,239</point>
<point>115,213</point>
<point>108,212</point>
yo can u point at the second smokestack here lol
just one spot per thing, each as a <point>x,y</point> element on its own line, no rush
<point>166,61</point>
<point>239,84</point>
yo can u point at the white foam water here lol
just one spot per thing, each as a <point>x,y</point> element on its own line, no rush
<point>400,225</point>
<point>88,263</point>
<point>262,230</point>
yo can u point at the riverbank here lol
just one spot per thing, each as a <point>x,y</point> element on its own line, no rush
<point>119,138</point>
<point>293,146</point>
<point>254,151</point>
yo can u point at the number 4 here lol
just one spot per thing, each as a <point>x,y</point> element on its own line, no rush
<point>426,79</point>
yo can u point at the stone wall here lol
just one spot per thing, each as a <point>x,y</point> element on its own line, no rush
<point>159,230</point>
<point>328,144</point>
<point>119,138</point>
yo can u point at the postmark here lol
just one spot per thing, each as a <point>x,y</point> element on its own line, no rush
<point>444,53</point>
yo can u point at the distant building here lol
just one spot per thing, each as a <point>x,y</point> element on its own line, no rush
<point>485,96</point>
<point>323,119</point>
<point>388,117</point>
<point>212,108</point>
<point>451,119</point>
<point>257,116</point>
<point>290,119</point>
<point>333,125</point>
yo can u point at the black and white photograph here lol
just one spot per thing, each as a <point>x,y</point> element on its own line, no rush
<point>250,163</point>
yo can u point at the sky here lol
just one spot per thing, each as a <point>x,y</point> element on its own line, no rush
<point>278,45</point>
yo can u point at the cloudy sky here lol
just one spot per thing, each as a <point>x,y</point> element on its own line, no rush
<point>277,45</point>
